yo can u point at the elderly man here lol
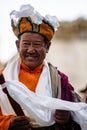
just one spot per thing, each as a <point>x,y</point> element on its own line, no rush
<point>30,70</point>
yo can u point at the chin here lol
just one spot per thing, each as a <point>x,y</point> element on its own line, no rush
<point>31,66</point>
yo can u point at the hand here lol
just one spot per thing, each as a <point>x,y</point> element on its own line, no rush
<point>62,116</point>
<point>20,123</point>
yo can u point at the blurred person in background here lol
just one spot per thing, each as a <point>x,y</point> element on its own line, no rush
<point>84,94</point>
<point>34,33</point>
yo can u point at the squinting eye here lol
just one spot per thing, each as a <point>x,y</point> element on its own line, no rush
<point>33,44</point>
<point>26,43</point>
<point>37,45</point>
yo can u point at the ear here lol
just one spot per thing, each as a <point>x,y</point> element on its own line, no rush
<point>48,46</point>
<point>17,42</point>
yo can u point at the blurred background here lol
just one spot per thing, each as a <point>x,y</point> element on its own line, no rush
<point>69,51</point>
<point>69,45</point>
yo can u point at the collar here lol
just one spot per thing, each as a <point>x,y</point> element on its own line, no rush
<point>36,70</point>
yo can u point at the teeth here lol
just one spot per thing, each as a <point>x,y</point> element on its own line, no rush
<point>31,55</point>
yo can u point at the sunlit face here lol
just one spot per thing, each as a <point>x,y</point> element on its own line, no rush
<point>32,49</point>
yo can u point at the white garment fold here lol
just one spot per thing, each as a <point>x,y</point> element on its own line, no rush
<point>40,107</point>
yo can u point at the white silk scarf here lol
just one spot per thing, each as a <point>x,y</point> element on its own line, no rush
<point>41,107</point>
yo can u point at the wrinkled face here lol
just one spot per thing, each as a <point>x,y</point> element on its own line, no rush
<point>32,49</point>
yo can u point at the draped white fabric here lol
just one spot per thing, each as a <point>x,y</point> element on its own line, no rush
<point>41,107</point>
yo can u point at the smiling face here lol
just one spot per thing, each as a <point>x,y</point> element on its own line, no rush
<point>32,49</point>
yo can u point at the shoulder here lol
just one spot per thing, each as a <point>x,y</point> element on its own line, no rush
<point>65,80</point>
<point>67,89</point>
<point>63,75</point>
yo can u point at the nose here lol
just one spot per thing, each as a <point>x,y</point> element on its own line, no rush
<point>30,48</point>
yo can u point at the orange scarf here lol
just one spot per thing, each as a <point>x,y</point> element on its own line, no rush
<point>28,77</point>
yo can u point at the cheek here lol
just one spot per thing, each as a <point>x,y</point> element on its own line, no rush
<point>43,52</point>
<point>22,51</point>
